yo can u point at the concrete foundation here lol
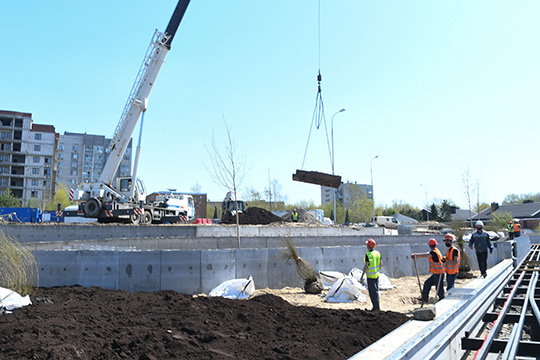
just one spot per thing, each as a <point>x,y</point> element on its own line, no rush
<point>195,259</point>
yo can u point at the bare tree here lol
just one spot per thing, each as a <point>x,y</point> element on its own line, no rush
<point>472,192</point>
<point>228,168</point>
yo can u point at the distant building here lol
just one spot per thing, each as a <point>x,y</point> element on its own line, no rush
<point>81,158</point>
<point>345,191</point>
<point>27,158</point>
<point>528,213</point>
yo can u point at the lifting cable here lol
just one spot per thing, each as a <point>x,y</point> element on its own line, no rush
<point>318,112</point>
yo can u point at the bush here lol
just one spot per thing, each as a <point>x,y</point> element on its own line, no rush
<point>18,268</point>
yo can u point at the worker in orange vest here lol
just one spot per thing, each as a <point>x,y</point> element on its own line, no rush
<point>451,261</point>
<point>435,268</point>
<point>516,229</point>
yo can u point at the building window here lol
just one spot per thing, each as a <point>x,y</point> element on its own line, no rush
<point>61,147</point>
<point>37,136</point>
<point>60,156</point>
<point>73,181</point>
<point>35,171</point>
<point>34,182</point>
<point>73,164</point>
<point>5,147</point>
<point>74,156</point>
<point>46,171</point>
<point>73,172</point>
<point>59,172</point>
<point>6,135</point>
<point>3,181</point>
<point>4,158</point>
<point>36,159</point>
<point>45,182</point>
<point>60,163</point>
<point>47,159</point>
<point>37,147</point>
<point>75,148</point>
<point>34,194</point>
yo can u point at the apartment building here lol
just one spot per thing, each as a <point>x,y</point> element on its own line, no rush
<point>81,158</point>
<point>345,192</point>
<point>27,158</point>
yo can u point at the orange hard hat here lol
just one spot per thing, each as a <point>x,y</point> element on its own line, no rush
<point>449,237</point>
<point>432,242</point>
<point>371,243</point>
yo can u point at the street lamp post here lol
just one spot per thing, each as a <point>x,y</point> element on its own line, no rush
<point>427,205</point>
<point>372,192</point>
<point>332,133</point>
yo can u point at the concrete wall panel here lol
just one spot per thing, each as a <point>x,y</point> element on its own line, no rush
<point>181,271</point>
<point>139,270</point>
<point>98,268</point>
<point>253,262</point>
<point>57,268</point>
<point>342,259</point>
<point>217,266</point>
<point>281,273</point>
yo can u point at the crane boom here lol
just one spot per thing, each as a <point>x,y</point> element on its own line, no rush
<point>138,97</point>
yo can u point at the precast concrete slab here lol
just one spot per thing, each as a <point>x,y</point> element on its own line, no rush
<point>281,273</point>
<point>253,262</point>
<point>139,270</point>
<point>342,258</point>
<point>57,267</point>
<point>396,260</point>
<point>98,268</point>
<point>217,266</point>
<point>181,271</point>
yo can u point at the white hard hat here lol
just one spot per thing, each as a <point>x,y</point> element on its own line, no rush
<point>479,223</point>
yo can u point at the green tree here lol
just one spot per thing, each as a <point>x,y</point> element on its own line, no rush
<point>347,220</point>
<point>517,199</point>
<point>8,200</point>
<point>500,221</point>
<point>434,213</point>
<point>61,197</point>
<point>446,212</point>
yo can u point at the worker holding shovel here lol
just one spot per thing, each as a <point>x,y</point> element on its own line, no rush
<point>451,261</point>
<point>436,270</point>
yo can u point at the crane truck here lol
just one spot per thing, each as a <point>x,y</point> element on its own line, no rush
<point>123,199</point>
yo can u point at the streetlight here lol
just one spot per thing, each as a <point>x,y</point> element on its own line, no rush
<point>372,192</point>
<point>427,205</point>
<point>332,133</point>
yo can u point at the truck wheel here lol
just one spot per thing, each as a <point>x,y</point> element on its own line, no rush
<point>147,218</point>
<point>92,208</point>
<point>134,219</point>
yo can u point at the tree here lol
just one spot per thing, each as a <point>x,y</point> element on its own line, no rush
<point>196,188</point>
<point>500,220</point>
<point>228,168</point>
<point>446,212</point>
<point>273,193</point>
<point>347,220</point>
<point>61,196</point>
<point>8,200</point>
<point>515,198</point>
<point>468,190</point>
<point>434,213</point>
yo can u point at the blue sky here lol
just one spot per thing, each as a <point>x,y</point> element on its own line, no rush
<point>432,88</point>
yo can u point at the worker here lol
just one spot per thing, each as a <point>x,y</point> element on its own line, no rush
<point>435,268</point>
<point>451,261</point>
<point>481,241</point>
<point>510,228</point>
<point>372,267</point>
<point>516,228</point>
<point>294,216</point>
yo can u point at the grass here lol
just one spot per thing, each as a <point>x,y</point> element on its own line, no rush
<point>18,268</point>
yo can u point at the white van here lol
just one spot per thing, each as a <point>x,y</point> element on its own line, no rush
<point>387,222</point>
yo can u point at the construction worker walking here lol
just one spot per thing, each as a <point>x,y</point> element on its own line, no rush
<point>372,267</point>
<point>482,242</point>
<point>435,268</point>
<point>451,261</point>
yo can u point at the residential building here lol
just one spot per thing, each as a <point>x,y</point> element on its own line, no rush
<point>81,158</point>
<point>27,158</point>
<point>528,213</point>
<point>345,192</point>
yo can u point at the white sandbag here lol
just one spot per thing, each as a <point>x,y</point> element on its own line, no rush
<point>345,289</point>
<point>384,281</point>
<point>330,277</point>
<point>235,289</point>
<point>10,300</point>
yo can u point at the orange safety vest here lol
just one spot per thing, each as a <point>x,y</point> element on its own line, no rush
<point>516,228</point>
<point>452,265</point>
<point>436,267</point>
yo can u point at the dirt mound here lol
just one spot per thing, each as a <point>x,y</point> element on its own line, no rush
<point>303,216</point>
<point>94,323</point>
<point>254,216</point>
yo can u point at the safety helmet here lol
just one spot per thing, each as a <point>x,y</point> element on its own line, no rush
<point>371,243</point>
<point>479,223</point>
<point>449,237</point>
<point>432,242</point>
<point>516,221</point>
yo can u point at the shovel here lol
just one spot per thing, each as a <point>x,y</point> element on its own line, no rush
<point>419,286</point>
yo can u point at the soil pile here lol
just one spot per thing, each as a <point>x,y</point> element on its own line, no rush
<point>254,216</point>
<point>303,217</point>
<point>94,323</point>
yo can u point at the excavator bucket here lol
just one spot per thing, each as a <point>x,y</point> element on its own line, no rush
<point>314,177</point>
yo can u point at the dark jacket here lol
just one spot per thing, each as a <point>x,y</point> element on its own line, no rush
<point>481,241</point>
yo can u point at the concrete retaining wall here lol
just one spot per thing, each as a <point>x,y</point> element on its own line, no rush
<point>192,264</point>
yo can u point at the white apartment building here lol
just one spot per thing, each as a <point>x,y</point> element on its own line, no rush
<point>344,192</point>
<point>26,158</point>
